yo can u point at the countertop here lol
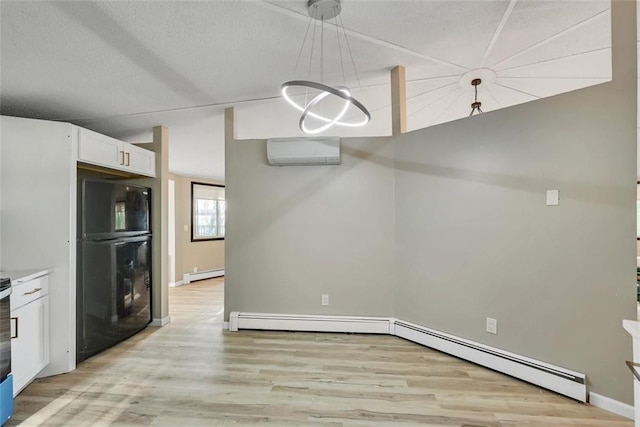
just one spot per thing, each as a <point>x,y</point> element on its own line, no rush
<point>20,276</point>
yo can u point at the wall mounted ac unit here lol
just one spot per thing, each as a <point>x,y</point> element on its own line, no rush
<point>303,151</point>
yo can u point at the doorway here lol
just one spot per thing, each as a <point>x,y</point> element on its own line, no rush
<point>171,253</point>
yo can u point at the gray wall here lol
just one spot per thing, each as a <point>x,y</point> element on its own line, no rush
<point>297,232</point>
<point>159,224</point>
<point>475,239</point>
<point>461,209</point>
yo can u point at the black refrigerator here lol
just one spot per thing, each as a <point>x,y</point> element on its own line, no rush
<point>113,298</point>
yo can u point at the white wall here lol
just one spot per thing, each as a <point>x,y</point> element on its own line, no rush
<point>39,205</point>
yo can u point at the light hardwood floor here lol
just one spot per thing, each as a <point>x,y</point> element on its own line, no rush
<point>192,373</point>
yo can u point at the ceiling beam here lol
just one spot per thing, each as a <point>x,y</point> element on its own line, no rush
<point>398,101</point>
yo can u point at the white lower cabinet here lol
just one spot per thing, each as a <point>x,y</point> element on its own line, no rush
<point>29,331</point>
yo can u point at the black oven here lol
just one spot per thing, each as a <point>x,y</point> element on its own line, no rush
<point>5,329</point>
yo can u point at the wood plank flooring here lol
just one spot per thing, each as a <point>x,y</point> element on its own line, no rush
<point>192,373</point>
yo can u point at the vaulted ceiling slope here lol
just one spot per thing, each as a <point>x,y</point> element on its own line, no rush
<point>122,67</point>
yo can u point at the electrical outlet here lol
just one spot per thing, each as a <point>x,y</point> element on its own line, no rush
<point>195,269</point>
<point>186,228</point>
<point>553,197</point>
<point>492,325</point>
<point>325,299</point>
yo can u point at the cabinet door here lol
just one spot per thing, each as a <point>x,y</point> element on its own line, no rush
<point>100,149</point>
<point>139,160</point>
<point>30,348</point>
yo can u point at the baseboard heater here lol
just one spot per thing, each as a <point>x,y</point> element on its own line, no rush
<point>308,323</point>
<point>560,380</point>
<point>201,275</point>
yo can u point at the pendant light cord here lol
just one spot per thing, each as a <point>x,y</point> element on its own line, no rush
<point>350,52</point>
<point>475,105</point>
<point>344,78</point>
<point>322,49</point>
<point>313,41</point>
<point>304,41</point>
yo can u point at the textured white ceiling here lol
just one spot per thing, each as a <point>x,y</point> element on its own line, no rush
<point>123,67</point>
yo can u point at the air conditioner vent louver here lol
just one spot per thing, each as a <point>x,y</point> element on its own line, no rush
<point>303,151</point>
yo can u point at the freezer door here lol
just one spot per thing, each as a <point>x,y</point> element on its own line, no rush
<point>112,210</point>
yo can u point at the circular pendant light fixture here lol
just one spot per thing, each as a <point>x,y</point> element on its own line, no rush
<point>320,11</point>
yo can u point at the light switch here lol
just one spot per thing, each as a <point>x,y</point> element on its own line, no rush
<point>553,197</point>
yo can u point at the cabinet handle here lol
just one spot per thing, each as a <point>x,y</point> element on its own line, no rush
<point>128,163</point>
<point>16,328</point>
<point>33,291</point>
<point>122,158</point>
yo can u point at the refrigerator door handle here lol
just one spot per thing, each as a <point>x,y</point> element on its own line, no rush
<point>135,238</point>
<point>103,240</point>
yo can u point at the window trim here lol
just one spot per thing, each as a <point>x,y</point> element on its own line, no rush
<point>204,239</point>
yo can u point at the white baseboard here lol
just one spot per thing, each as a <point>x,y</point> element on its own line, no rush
<point>160,322</point>
<point>555,378</point>
<point>176,284</point>
<point>201,275</point>
<point>611,405</point>
<point>225,326</point>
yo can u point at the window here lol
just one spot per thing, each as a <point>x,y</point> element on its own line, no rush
<point>121,220</point>
<point>207,212</point>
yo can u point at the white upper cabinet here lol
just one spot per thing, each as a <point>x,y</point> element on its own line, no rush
<point>140,160</point>
<point>102,150</point>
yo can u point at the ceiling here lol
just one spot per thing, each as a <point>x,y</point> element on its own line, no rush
<point>121,68</point>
